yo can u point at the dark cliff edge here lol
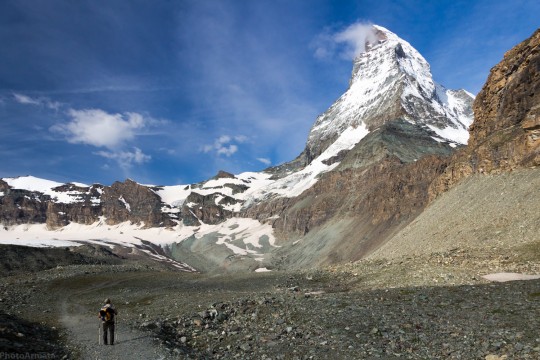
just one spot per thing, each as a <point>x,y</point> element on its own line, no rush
<point>505,134</point>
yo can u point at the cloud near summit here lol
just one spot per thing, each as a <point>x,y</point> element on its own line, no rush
<point>347,43</point>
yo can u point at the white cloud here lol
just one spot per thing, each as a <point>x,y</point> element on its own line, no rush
<point>23,99</point>
<point>224,145</point>
<point>227,150</point>
<point>241,138</point>
<point>265,161</point>
<point>99,128</point>
<point>347,43</point>
<point>126,158</point>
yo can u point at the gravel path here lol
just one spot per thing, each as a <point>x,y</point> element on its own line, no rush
<point>84,331</point>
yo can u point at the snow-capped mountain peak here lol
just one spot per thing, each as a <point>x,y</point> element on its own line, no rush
<point>392,80</point>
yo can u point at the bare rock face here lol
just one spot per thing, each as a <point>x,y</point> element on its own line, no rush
<point>207,209</point>
<point>123,201</point>
<point>505,134</point>
<point>129,201</point>
<point>21,206</point>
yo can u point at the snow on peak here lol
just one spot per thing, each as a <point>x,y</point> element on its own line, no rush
<point>392,80</point>
<point>46,187</point>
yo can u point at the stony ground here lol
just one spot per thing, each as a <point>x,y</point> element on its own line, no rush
<point>435,307</point>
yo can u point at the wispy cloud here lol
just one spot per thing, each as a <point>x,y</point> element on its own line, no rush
<point>41,101</point>
<point>113,131</point>
<point>124,158</point>
<point>265,161</point>
<point>23,99</point>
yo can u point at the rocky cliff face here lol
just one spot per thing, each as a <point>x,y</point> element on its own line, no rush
<point>21,207</point>
<point>506,131</point>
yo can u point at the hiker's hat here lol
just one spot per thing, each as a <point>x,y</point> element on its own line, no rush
<point>107,301</point>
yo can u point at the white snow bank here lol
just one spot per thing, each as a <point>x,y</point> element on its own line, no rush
<point>174,195</point>
<point>32,183</point>
<point>503,277</point>
<point>296,183</point>
<point>125,234</point>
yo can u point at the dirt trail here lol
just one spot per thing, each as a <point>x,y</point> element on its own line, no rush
<point>84,332</point>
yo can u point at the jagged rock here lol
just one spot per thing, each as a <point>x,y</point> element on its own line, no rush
<point>205,208</point>
<point>223,175</point>
<point>129,201</point>
<point>86,210</point>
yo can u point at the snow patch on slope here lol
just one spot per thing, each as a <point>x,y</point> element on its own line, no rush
<point>32,183</point>
<point>248,232</point>
<point>46,187</point>
<point>297,182</point>
<point>242,236</point>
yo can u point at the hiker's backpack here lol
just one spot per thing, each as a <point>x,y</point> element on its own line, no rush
<point>106,313</point>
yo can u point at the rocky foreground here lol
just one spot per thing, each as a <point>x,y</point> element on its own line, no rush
<point>435,307</point>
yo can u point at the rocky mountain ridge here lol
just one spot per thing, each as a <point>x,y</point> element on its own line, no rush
<point>362,178</point>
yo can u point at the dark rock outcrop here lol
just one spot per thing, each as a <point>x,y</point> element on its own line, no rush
<point>129,201</point>
<point>21,206</point>
<point>206,208</point>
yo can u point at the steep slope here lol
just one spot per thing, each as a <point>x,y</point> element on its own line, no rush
<point>495,211</point>
<point>506,132</point>
<point>488,196</point>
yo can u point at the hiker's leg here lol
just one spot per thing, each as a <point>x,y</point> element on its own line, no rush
<point>111,326</point>
<point>105,331</point>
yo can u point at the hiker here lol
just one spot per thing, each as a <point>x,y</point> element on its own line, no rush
<point>106,314</point>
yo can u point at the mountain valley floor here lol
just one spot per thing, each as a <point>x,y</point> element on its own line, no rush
<point>436,306</point>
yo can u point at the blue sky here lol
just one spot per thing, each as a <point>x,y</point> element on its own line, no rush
<point>170,92</point>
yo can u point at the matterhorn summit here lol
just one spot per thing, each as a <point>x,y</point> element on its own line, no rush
<point>392,81</point>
